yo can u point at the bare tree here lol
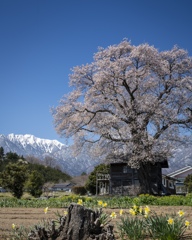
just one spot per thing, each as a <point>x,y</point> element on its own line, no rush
<point>47,189</point>
<point>130,99</point>
<point>49,161</point>
<point>33,160</point>
<point>58,167</point>
<point>80,180</point>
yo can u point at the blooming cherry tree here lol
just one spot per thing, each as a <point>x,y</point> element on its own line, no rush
<point>130,99</point>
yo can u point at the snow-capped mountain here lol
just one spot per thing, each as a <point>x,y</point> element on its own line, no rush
<point>181,157</point>
<point>37,147</point>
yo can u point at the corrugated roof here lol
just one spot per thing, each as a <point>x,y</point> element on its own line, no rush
<point>179,171</point>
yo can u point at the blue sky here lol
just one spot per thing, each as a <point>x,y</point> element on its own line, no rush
<point>41,40</point>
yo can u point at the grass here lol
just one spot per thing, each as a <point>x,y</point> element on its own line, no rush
<point>62,199</point>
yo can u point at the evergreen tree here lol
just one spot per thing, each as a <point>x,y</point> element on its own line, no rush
<point>188,183</point>
<point>83,174</point>
<point>12,156</point>
<point>35,184</point>
<point>13,178</point>
<point>2,155</point>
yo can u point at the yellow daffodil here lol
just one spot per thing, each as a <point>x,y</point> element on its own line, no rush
<point>121,212</point>
<point>146,215</point>
<point>170,221</point>
<point>132,211</point>
<point>187,223</point>
<point>181,213</point>
<point>104,204</point>
<point>65,213</point>
<point>134,207</point>
<point>79,202</point>
<point>147,210</point>
<point>45,210</point>
<point>100,203</point>
<point>113,215</point>
<point>140,210</point>
<point>13,226</point>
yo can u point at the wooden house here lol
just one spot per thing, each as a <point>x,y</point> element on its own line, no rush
<point>124,180</point>
<point>169,184</point>
<point>180,176</point>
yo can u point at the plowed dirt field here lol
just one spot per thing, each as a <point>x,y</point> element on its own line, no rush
<point>30,216</point>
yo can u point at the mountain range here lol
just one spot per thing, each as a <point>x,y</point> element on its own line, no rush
<point>29,145</point>
<point>181,157</point>
<point>40,148</point>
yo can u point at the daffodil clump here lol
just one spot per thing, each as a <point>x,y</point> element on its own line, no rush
<point>80,202</point>
<point>137,210</point>
<point>102,204</point>
<point>134,210</point>
<point>181,214</point>
<point>167,227</point>
<point>151,225</point>
<point>114,215</point>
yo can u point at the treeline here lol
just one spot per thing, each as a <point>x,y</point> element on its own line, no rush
<point>48,173</point>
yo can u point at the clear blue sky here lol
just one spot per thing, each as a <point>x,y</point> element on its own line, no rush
<point>41,40</point>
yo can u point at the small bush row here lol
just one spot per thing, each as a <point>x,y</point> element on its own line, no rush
<point>112,202</point>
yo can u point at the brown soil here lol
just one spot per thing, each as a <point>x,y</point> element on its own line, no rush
<point>30,216</point>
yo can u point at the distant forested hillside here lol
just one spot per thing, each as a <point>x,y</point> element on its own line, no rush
<point>49,174</point>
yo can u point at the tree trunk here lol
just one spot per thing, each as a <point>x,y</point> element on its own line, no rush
<point>80,224</point>
<point>150,178</point>
<point>144,175</point>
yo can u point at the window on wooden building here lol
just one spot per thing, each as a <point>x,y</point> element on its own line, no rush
<point>125,170</point>
<point>171,184</point>
<point>164,182</point>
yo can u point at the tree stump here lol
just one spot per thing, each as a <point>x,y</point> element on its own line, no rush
<point>79,224</point>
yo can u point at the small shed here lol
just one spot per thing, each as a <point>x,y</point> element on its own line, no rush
<point>122,179</point>
<point>63,187</point>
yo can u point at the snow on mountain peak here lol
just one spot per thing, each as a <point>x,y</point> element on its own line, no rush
<point>28,139</point>
<point>30,145</point>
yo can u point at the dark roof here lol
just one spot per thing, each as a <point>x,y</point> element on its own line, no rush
<point>170,178</point>
<point>62,185</point>
<point>120,159</point>
<point>111,158</point>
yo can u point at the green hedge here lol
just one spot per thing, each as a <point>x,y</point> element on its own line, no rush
<point>79,190</point>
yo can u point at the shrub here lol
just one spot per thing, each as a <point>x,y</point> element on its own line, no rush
<point>35,183</point>
<point>13,178</point>
<point>79,190</point>
<point>132,228</point>
<point>165,227</point>
<point>147,199</point>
